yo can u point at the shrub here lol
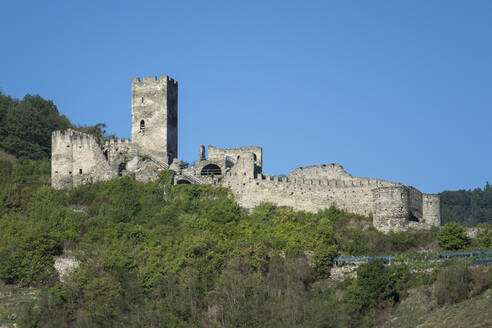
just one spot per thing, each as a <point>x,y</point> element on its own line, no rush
<point>452,285</point>
<point>453,237</point>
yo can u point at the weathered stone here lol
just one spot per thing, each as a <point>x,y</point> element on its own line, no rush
<point>134,164</point>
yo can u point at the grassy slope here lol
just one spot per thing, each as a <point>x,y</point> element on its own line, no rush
<point>12,302</point>
<point>417,311</point>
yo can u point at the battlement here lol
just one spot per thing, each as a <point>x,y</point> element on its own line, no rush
<point>151,79</point>
<point>117,142</point>
<point>72,138</point>
<point>331,183</point>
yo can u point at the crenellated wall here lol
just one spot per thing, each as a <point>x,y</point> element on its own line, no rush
<point>394,207</point>
<point>77,158</point>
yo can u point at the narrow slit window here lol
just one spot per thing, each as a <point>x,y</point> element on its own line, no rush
<point>142,100</point>
<point>142,126</point>
<point>80,171</point>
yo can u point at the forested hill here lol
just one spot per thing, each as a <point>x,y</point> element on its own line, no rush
<point>25,132</point>
<point>469,207</point>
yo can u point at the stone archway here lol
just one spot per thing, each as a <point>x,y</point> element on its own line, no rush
<point>211,169</point>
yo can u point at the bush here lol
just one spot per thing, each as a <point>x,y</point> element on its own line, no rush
<point>453,237</point>
<point>452,285</point>
<point>376,286</point>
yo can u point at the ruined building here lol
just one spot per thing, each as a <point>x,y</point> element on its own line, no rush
<point>79,158</point>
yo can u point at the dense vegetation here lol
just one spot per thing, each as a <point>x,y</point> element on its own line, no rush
<point>153,255</point>
<point>26,126</point>
<point>469,207</point>
<point>159,255</point>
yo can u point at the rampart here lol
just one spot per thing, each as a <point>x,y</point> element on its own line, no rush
<point>394,207</point>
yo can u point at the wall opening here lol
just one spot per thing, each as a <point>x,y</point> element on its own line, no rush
<point>183,182</point>
<point>413,218</point>
<point>142,126</point>
<point>105,154</point>
<point>121,168</point>
<point>80,171</point>
<point>211,169</point>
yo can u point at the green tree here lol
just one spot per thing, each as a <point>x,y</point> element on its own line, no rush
<point>27,126</point>
<point>453,237</point>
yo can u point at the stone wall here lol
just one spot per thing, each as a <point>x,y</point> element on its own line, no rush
<point>77,158</point>
<point>431,209</point>
<point>118,152</point>
<point>394,207</point>
<point>215,153</point>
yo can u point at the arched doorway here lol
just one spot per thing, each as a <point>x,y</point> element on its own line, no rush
<point>182,181</point>
<point>211,169</point>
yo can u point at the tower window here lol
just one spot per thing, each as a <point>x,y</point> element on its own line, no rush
<point>142,100</point>
<point>142,126</point>
<point>80,171</point>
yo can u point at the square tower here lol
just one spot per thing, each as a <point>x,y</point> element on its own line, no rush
<point>155,117</point>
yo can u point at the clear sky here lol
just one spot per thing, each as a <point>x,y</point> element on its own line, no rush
<point>399,90</point>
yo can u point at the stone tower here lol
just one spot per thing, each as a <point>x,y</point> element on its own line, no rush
<point>155,117</point>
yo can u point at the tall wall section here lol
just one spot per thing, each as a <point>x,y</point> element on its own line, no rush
<point>155,117</point>
<point>77,158</point>
<point>431,209</point>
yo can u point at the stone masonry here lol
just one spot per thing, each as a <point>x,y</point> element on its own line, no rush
<point>77,158</point>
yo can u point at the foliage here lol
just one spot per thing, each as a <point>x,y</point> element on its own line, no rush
<point>452,285</point>
<point>26,126</point>
<point>186,255</point>
<point>484,236</point>
<point>98,131</point>
<point>376,286</point>
<point>468,207</point>
<point>453,237</point>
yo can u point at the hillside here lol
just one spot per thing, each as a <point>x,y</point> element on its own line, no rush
<point>155,254</point>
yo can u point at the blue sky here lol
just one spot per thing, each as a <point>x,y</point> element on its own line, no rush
<point>399,90</point>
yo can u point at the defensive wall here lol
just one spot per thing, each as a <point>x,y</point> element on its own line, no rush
<point>394,206</point>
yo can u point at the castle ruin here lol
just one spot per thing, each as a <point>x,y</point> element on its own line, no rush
<point>78,158</point>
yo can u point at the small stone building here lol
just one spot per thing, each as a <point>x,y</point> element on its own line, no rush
<point>78,158</point>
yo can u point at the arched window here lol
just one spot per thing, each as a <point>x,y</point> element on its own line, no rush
<point>142,126</point>
<point>182,181</point>
<point>211,169</point>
